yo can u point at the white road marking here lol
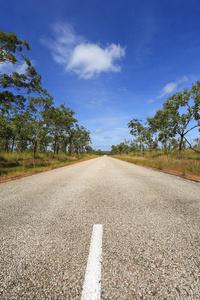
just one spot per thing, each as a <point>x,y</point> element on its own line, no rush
<point>104,165</point>
<point>92,283</point>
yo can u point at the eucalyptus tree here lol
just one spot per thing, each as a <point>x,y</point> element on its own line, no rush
<point>5,133</point>
<point>89,149</point>
<point>39,109</point>
<point>14,85</point>
<point>120,148</point>
<point>180,115</point>
<point>144,134</point>
<point>81,138</point>
<point>62,121</point>
<point>18,78</point>
<point>21,130</point>
<point>44,139</point>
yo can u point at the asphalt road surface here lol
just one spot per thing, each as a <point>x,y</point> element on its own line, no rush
<point>150,224</point>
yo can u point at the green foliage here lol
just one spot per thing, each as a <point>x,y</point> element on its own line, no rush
<point>143,134</point>
<point>14,164</point>
<point>119,149</point>
<point>28,119</point>
<point>13,84</point>
<point>179,111</point>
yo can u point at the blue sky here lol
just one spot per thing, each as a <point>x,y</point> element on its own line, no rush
<point>109,60</point>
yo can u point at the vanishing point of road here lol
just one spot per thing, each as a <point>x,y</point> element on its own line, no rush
<point>135,230</point>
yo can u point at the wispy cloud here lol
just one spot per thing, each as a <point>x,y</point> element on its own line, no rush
<point>172,86</point>
<point>150,101</point>
<point>95,103</point>
<point>100,130</point>
<point>108,121</point>
<point>122,89</point>
<point>79,56</point>
<point>9,68</point>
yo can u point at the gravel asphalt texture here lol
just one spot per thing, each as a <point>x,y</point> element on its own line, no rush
<point>151,232</point>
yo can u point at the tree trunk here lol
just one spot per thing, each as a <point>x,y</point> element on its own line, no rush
<point>57,146</point>
<point>35,147</point>
<point>6,147</point>
<point>181,143</point>
<point>13,143</point>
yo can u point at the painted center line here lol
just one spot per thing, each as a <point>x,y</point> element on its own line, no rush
<point>92,283</point>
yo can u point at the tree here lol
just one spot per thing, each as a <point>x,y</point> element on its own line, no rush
<point>62,121</point>
<point>89,149</point>
<point>5,133</point>
<point>21,130</point>
<point>179,111</point>
<point>39,109</point>
<point>13,85</point>
<point>143,133</point>
<point>137,130</point>
<point>81,138</point>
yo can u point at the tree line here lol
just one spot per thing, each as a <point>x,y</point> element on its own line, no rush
<point>169,127</point>
<point>29,120</point>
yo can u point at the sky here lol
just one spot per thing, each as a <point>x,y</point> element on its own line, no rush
<point>109,60</point>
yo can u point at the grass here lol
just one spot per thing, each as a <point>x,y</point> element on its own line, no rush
<point>186,163</point>
<point>14,165</point>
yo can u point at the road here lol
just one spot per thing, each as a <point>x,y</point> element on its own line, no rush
<point>150,239</point>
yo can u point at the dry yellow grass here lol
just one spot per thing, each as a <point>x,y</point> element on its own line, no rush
<point>186,164</point>
<point>15,165</point>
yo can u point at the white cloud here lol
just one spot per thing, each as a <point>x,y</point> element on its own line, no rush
<point>106,137</point>
<point>81,57</point>
<point>172,86</point>
<point>89,60</point>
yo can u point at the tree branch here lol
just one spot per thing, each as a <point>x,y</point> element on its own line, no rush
<point>191,145</point>
<point>192,128</point>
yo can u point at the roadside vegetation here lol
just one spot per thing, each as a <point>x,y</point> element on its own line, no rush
<point>29,120</point>
<point>35,135</point>
<point>15,165</point>
<point>186,164</point>
<point>162,142</point>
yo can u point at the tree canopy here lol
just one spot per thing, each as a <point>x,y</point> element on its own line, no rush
<point>13,86</point>
<point>180,114</point>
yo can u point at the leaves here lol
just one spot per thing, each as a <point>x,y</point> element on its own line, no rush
<point>27,115</point>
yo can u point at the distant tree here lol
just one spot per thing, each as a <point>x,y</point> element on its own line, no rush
<point>62,121</point>
<point>89,149</point>
<point>197,143</point>
<point>98,152</point>
<point>81,138</point>
<point>143,133</point>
